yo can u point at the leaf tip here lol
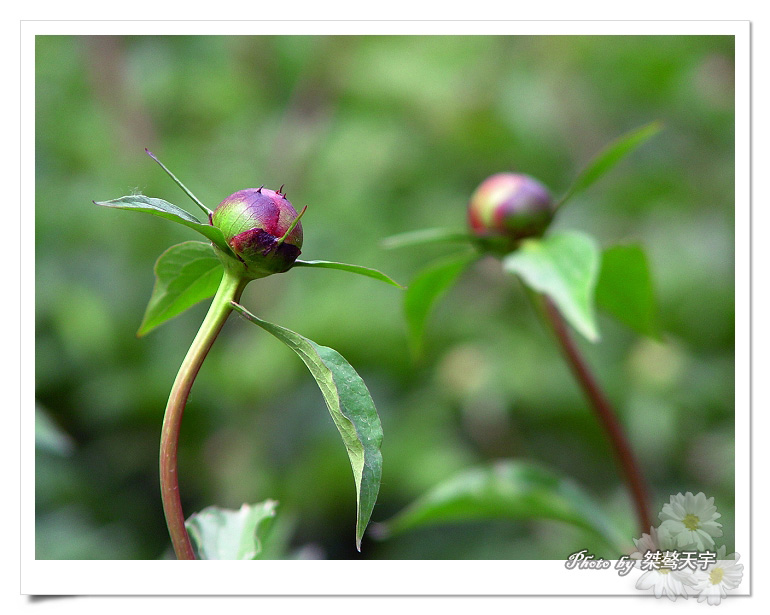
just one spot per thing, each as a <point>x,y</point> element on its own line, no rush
<point>590,331</point>
<point>145,328</point>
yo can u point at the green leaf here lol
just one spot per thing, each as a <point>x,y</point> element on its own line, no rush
<point>370,273</point>
<point>352,410</point>
<point>564,266</point>
<point>427,236</point>
<point>426,288</point>
<point>49,436</point>
<point>224,534</point>
<point>609,157</point>
<point>625,289</point>
<point>507,489</point>
<point>164,209</point>
<point>185,274</point>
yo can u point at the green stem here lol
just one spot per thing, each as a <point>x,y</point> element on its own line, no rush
<point>630,469</point>
<point>230,289</point>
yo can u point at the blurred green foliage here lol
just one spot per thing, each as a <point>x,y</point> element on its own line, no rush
<point>377,135</point>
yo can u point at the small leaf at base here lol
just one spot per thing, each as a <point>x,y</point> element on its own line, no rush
<point>185,274</point>
<point>223,534</point>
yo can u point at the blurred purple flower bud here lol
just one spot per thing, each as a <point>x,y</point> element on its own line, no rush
<point>511,206</point>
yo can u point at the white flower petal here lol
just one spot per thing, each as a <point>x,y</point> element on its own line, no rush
<point>706,537</point>
<point>647,580</point>
<point>712,528</point>
<point>672,527</point>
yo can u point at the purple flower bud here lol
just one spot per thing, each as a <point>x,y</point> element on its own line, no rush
<point>510,206</point>
<point>255,223</point>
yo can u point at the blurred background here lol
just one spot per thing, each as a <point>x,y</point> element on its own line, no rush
<point>376,135</point>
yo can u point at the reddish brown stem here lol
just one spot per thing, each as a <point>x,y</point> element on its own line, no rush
<point>605,413</point>
<point>229,290</point>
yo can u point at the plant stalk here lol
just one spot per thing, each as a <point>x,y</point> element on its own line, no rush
<point>605,413</point>
<point>230,289</point>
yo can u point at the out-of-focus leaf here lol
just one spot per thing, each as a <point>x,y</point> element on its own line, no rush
<point>219,533</point>
<point>352,410</point>
<point>609,157</point>
<point>185,274</point>
<point>625,289</point>
<point>49,436</point>
<point>508,489</point>
<point>426,288</point>
<point>366,271</point>
<point>564,266</point>
<point>169,211</point>
<point>427,236</point>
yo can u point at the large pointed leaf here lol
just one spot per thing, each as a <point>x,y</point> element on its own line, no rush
<point>564,266</point>
<point>426,288</point>
<point>609,157</point>
<point>508,489</point>
<point>164,209</point>
<point>352,410</point>
<point>224,534</point>
<point>625,289</point>
<point>427,236</point>
<point>368,272</point>
<point>184,274</point>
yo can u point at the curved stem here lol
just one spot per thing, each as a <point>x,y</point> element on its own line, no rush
<point>605,413</point>
<point>230,289</point>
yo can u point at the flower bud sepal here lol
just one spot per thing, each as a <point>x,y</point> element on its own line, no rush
<point>239,267</point>
<point>496,245</point>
